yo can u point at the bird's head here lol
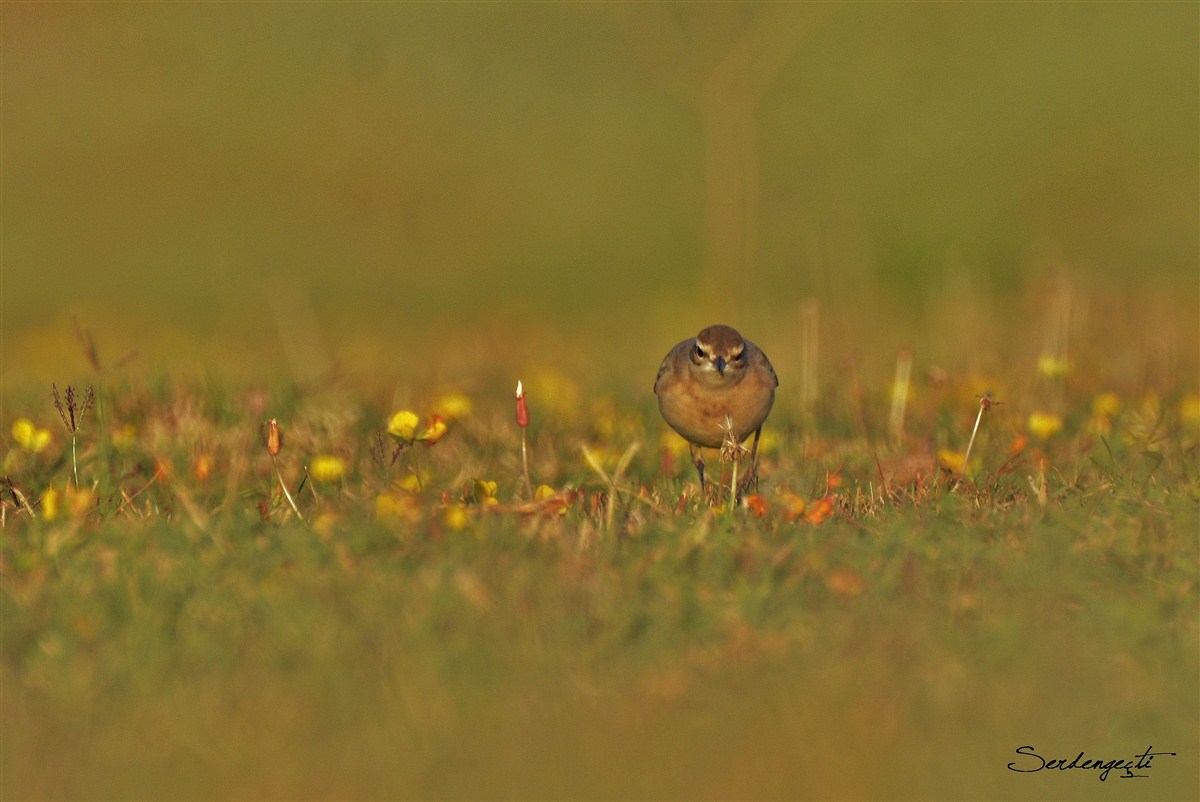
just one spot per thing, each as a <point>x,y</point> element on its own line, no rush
<point>718,355</point>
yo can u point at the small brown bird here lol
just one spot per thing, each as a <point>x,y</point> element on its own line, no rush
<point>715,384</point>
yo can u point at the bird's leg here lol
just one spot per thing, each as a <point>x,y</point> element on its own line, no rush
<point>751,477</point>
<point>698,461</point>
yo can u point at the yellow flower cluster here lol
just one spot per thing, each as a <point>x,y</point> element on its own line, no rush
<point>1052,367</point>
<point>1105,407</point>
<point>951,460</point>
<point>1189,410</point>
<point>78,502</point>
<point>405,426</point>
<point>327,468</point>
<point>1044,425</point>
<point>452,407</point>
<point>29,437</point>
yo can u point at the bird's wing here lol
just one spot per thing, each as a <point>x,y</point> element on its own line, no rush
<point>665,367</point>
<point>766,363</point>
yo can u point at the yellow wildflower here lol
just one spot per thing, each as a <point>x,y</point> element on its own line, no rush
<point>1044,425</point>
<point>402,427</point>
<point>452,407</point>
<point>29,436</point>
<point>1189,410</point>
<point>544,492</point>
<point>82,501</point>
<point>951,460</point>
<point>672,443</point>
<point>397,505</point>
<point>410,483</point>
<point>769,441</point>
<point>1052,367</point>
<point>50,504</point>
<point>1105,407</point>
<point>325,524</point>
<point>793,505</point>
<point>485,492</point>
<point>557,393</point>
<point>456,518</point>
<point>434,430</point>
<point>124,437</point>
<point>327,468</point>
<point>1106,404</point>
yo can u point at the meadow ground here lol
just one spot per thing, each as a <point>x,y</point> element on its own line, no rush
<point>327,214</point>
<point>874,622</point>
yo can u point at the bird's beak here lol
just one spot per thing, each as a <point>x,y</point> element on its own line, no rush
<point>720,363</point>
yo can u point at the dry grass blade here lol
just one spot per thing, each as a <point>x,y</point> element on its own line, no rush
<point>613,480</point>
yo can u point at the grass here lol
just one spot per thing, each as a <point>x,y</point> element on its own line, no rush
<point>872,625</point>
<point>326,214</point>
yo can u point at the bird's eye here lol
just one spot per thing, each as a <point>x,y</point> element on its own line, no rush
<point>698,352</point>
<point>737,357</point>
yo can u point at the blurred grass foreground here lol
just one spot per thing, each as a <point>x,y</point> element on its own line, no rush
<point>365,222</point>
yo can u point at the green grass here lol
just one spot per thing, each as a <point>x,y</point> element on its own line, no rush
<point>199,641</point>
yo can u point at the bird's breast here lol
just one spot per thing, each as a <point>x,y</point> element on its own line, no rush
<point>699,412</point>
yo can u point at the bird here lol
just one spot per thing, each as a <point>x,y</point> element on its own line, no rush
<point>715,385</point>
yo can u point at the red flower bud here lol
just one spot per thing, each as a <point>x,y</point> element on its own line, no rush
<point>272,437</point>
<point>522,407</point>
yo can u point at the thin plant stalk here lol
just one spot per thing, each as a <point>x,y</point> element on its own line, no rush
<point>613,480</point>
<point>273,440</point>
<point>900,388</point>
<point>732,451</point>
<point>733,483</point>
<point>985,403</point>
<point>810,320</point>
<point>523,422</point>
<point>72,413</point>
<point>74,461</point>
<point>525,466</point>
<point>283,486</point>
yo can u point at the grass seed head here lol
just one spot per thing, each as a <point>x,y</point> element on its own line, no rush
<point>731,448</point>
<point>70,409</point>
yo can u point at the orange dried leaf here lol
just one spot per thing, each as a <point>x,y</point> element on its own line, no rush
<point>819,510</point>
<point>756,504</point>
<point>202,467</point>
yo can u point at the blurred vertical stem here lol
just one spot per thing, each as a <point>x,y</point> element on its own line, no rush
<point>900,388</point>
<point>810,317</point>
<point>272,438</point>
<point>727,84</point>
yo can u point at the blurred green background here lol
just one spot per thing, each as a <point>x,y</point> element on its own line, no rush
<point>218,184</point>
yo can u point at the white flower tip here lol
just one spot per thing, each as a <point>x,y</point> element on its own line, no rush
<point>520,390</point>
